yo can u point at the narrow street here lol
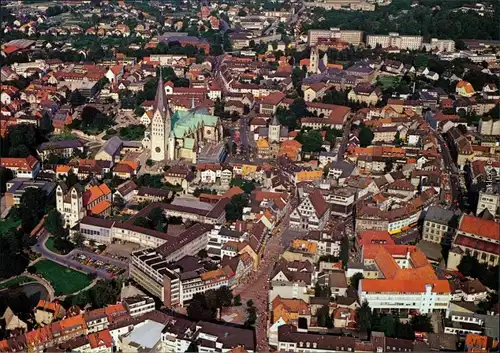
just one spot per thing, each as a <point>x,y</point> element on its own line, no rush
<point>257,285</point>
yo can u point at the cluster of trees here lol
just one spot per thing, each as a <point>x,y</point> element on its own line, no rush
<point>155,220</point>
<point>311,140</point>
<point>56,10</point>
<point>470,267</point>
<point>198,191</point>
<point>92,121</point>
<point>365,135</point>
<point>21,141</point>
<point>391,324</point>
<point>246,185</point>
<point>290,117</point>
<point>234,209</point>
<point>132,132</point>
<point>205,306</point>
<point>251,314</point>
<point>420,20</point>
<point>54,224</point>
<point>103,293</point>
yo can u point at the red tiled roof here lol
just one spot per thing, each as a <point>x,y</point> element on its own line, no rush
<point>479,226</point>
<point>477,244</point>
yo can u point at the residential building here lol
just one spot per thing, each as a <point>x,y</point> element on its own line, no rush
<point>394,40</point>
<point>47,312</point>
<point>62,149</point>
<point>28,167</point>
<point>312,213</point>
<point>488,200</point>
<point>15,189</point>
<point>290,339</point>
<point>365,93</point>
<point>439,225</point>
<point>291,279</point>
<point>446,45</point>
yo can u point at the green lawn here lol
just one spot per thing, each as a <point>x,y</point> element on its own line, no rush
<point>8,224</point>
<point>388,81</point>
<point>16,281</point>
<point>49,243</point>
<point>63,279</point>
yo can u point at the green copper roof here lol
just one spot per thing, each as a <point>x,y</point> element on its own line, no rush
<point>184,122</point>
<point>189,143</point>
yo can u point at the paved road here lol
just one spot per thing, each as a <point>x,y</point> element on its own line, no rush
<point>453,171</point>
<point>256,286</point>
<point>66,260</point>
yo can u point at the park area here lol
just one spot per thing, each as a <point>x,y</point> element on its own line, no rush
<point>16,282</point>
<point>8,224</point>
<point>64,280</point>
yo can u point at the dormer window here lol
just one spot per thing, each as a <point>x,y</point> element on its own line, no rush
<point>301,344</point>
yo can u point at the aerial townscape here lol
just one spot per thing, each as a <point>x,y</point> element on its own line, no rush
<point>249,176</point>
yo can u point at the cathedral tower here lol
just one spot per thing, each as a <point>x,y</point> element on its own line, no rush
<point>313,61</point>
<point>274,130</point>
<point>160,124</point>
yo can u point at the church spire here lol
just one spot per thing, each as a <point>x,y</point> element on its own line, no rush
<point>161,102</point>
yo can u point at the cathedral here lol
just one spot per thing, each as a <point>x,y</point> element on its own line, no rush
<point>180,135</point>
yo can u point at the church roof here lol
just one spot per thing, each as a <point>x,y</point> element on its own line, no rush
<point>183,122</point>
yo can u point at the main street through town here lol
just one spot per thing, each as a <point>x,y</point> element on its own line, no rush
<point>256,286</point>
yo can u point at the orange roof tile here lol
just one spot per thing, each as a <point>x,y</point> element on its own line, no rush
<point>100,207</point>
<point>100,339</point>
<point>63,168</point>
<point>403,286</point>
<point>479,226</point>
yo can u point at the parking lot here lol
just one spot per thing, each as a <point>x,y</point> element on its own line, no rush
<point>87,260</point>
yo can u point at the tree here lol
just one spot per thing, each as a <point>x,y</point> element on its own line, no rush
<point>467,265</point>
<point>299,108</point>
<point>149,162</point>
<point>76,98</point>
<point>193,347</point>
<point>251,316</point>
<point>365,136</point>
<point>31,208</point>
<point>398,141</point>
<point>249,302</point>
<point>225,296</point>
<point>203,254</point>
<point>71,179</point>
<point>355,280</point>
<point>322,291</point>
<point>323,317</point>
<point>364,313</point>
<point>234,209</point>
<point>422,323</point>
<point>78,239</point>
<point>54,224</point>
<point>311,141</point>
<point>237,300</point>
<point>387,325</point>
<point>198,309</point>
<point>118,202</point>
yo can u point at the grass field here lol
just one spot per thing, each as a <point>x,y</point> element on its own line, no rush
<point>16,281</point>
<point>64,280</point>
<point>8,224</point>
<point>388,81</point>
<point>49,243</point>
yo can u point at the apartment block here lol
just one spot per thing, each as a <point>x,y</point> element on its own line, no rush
<point>394,40</point>
<point>439,225</point>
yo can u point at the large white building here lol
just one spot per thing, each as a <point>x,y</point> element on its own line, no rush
<point>394,40</point>
<point>400,278</point>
